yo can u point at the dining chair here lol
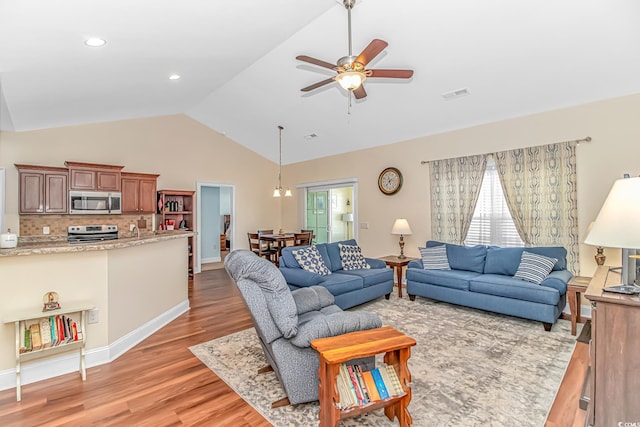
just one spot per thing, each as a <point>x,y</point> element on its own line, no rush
<point>302,239</point>
<point>270,244</point>
<point>261,248</point>
<point>313,236</point>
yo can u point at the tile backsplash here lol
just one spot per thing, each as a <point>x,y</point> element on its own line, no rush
<point>32,225</point>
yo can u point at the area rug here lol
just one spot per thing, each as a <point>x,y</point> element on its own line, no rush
<point>469,368</point>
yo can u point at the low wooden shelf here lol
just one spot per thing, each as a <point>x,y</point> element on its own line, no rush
<point>334,351</point>
<point>33,315</point>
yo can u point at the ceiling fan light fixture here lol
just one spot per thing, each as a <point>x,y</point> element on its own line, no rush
<point>351,80</point>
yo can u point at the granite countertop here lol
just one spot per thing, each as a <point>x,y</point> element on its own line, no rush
<point>36,246</point>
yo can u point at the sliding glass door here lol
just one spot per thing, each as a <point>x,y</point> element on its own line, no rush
<point>330,212</point>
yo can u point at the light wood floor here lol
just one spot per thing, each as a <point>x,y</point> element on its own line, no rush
<point>160,383</point>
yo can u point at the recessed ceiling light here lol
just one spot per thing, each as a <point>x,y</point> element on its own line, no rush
<point>95,42</point>
<point>174,76</point>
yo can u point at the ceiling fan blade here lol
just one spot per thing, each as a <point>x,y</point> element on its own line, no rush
<point>317,85</point>
<point>396,74</point>
<point>375,47</point>
<point>315,61</point>
<point>360,92</point>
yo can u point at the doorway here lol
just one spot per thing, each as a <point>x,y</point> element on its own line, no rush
<point>214,224</point>
<point>330,212</point>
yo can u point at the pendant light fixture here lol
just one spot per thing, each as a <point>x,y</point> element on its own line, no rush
<point>279,190</point>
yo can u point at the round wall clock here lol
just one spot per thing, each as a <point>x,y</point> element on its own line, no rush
<point>390,181</point>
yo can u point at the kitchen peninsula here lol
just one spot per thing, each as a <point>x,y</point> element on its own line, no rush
<point>137,285</point>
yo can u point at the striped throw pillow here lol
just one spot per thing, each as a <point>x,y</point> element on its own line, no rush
<point>534,268</point>
<point>435,258</point>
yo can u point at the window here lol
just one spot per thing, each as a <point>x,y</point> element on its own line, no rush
<point>492,223</point>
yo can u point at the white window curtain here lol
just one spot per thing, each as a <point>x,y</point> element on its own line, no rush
<point>492,223</point>
<point>539,184</point>
<point>455,185</point>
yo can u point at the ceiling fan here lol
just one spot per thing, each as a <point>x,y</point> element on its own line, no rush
<point>351,69</point>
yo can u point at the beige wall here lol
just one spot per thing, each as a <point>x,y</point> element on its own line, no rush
<point>615,149</point>
<point>183,151</point>
<point>178,148</point>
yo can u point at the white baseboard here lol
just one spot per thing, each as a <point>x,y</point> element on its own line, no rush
<point>585,311</point>
<point>49,367</point>
<point>209,260</point>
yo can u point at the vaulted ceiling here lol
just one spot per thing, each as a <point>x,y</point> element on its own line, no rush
<point>239,75</point>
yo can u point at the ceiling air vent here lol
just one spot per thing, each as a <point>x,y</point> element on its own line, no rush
<point>454,94</point>
<point>310,136</point>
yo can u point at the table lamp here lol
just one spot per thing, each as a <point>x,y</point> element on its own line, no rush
<point>401,227</point>
<point>618,224</point>
<point>600,257</point>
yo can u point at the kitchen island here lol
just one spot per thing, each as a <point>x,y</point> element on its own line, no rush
<point>137,285</point>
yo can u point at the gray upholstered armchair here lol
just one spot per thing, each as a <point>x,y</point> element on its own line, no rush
<point>286,322</point>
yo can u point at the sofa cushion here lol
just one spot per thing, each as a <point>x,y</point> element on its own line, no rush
<point>505,261</point>
<point>340,283</point>
<point>508,287</point>
<point>309,258</point>
<point>371,276</point>
<point>351,257</point>
<point>456,279</point>
<point>534,268</point>
<point>468,258</point>
<point>435,258</point>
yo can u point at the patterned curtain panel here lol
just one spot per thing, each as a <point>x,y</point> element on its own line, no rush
<point>455,185</point>
<point>539,184</point>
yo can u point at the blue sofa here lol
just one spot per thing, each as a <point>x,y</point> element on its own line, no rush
<point>350,288</point>
<point>482,277</point>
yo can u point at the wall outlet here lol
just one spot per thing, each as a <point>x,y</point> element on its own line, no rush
<point>364,225</point>
<point>131,227</point>
<point>45,230</point>
<point>94,316</point>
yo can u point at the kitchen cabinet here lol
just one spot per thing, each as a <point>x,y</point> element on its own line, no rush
<point>43,190</point>
<point>138,193</point>
<point>94,177</point>
<point>173,207</point>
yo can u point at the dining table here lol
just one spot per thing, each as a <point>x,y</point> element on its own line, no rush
<point>279,241</point>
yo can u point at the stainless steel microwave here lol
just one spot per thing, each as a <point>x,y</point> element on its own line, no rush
<point>95,202</point>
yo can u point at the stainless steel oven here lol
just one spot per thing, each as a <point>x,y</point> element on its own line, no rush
<point>95,202</point>
<point>91,233</point>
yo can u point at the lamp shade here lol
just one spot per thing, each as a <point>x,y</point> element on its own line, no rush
<point>401,226</point>
<point>618,223</point>
<point>347,217</point>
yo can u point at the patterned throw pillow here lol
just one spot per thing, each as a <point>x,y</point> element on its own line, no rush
<point>310,259</point>
<point>534,268</point>
<point>435,258</point>
<point>351,257</point>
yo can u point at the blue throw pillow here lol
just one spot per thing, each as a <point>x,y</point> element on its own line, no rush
<point>435,258</point>
<point>351,257</point>
<point>468,258</point>
<point>310,259</point>
<point>534,268</point>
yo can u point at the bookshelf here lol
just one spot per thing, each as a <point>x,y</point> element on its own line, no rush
<point>22,319</point>
<point>333,351</point>
<point>178,206</point>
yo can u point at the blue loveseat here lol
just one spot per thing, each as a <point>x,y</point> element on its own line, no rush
<point>482,277</point>
<point>350,288</point>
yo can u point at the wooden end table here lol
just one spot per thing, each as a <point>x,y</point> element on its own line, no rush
<point>394,262</point>
<point>577,285</point>
<point>334,351</point>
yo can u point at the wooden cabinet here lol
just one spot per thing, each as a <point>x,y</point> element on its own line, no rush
<point>614,378</point>
<point>94,177</point>
<point>43,190</point>
<point>174,207</point>
<point>23,319</point>
<point>138,193</point>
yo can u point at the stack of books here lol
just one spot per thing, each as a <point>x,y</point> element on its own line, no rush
<point>357,387</point>
<point>48,332</point>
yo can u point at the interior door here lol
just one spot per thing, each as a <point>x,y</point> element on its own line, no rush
<point>318,215</point>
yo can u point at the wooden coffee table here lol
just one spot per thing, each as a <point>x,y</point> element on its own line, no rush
<point>394,262</point>
<point>334,351</point>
